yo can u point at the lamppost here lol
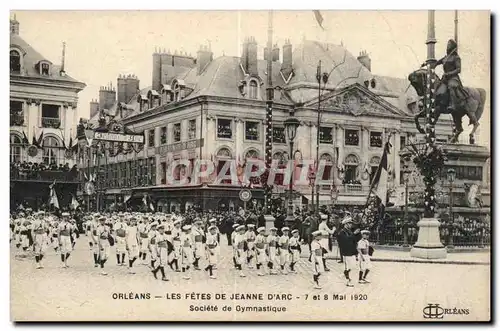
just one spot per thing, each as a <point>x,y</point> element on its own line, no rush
<point>291,125</point>
<point>320,77</point>
<point>451,178</point>
<point>406,156</point>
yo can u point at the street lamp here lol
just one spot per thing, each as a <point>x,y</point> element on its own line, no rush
<point>406,156</point>
<point>291,125</point>
<point>451,178</point>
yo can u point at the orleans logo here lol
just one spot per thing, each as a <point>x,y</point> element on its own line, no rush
<point>433,310</point>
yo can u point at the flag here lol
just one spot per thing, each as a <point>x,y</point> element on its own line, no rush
<point>145,200</point>
<point>74,202</point>
<point>379,183</point>
<point>127,198</point>
<point>53,196</point>
<point>40,140</point>
<point>25,139</point>
<point>319,18</point>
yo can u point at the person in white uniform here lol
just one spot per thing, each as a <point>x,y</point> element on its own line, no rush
<point>364,256</point>
<point>211,247</point>
<point>317,260</point>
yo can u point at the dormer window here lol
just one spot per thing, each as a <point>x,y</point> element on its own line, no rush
<point>44,71</point>
<point>253,89</point>
<point>142,100</point>
<point>15,61</point>
<point>43,68</point>
<point>166,93</point>
<point>178,90</point>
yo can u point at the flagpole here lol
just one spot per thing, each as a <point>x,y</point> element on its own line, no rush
<point>379,169</point>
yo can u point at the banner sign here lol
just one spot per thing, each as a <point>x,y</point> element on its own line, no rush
<point>119,137</point>
<point>180,146</point>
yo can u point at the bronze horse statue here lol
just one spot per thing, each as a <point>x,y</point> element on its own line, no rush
<point>472,107</point>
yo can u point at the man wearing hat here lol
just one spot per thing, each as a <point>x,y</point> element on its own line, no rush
<point>144,240</point>
<point>120,229</point>
<point>132,240</point>
<point>250,239</point>
<point>348,242</point>
<point>325,238</point>
<point>260,248</point>
<point>176,241</point>
<point>233,245</point>
<point>317,258</point>
<point>240,245</point>
<point>198,238</point>
<point>162,242</point>
<point>187,251</point>
<point>364,256</point>
<point>284,246</point>
<point>211,248</point>
<point>65,239</point>
<point>153,248</point>
<point>272,242</point>
<point>103,233</point>
<point>39,228</point>
<point>295,249</point>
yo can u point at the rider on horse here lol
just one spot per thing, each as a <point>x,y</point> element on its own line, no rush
<point>451,91</point>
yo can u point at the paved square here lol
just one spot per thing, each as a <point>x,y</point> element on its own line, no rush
<point>398,292</point>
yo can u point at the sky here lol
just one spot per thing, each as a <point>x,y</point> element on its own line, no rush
<point>100,45</point>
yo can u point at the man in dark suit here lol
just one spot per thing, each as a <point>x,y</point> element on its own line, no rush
<point>348,246</point>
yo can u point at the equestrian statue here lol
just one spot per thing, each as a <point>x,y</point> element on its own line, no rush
<point>451,97</point>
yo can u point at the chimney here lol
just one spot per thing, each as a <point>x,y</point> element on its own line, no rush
<point>204,57</point>
<point>107,97</point>
<point>14,26</point>
<point>276,53</point>
<point>157,64</point>
<point>94,108</point>
<point>365,60</point>
<point>252,68</point>
<point>266,52</point>
<point>286,66</point>
<point>127,87</point>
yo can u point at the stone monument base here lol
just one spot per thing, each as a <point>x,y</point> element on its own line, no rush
<point>428,245</point>
<point>269,222</point>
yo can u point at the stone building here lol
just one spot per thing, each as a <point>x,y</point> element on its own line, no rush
<point>43,117</point>
<point>214,109</point>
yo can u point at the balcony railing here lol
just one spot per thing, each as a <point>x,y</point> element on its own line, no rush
<point>50,122</point>
<point>16,119</point>
<point>48,175</point>
<point>353,188</point>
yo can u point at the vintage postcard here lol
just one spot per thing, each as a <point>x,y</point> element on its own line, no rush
<point>250,166</point>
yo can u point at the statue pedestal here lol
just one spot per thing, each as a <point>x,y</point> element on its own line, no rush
<point>269,222</point>
<point>428,245</point>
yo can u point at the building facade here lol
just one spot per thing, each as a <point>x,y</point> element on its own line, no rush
<point>43,117</point>
<point>214,109</point>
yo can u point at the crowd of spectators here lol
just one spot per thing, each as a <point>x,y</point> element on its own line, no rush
<point>34,170</point>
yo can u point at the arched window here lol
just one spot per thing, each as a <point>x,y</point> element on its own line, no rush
<point>51,151</point>
<point>224,153</point>
<point>15,61</point>
<point>252,154</point>
<point>15,148</point>
<point>351,169</point>
<point>253,89</point>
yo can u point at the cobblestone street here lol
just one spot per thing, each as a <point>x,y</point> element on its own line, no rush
<point>399,291</point>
